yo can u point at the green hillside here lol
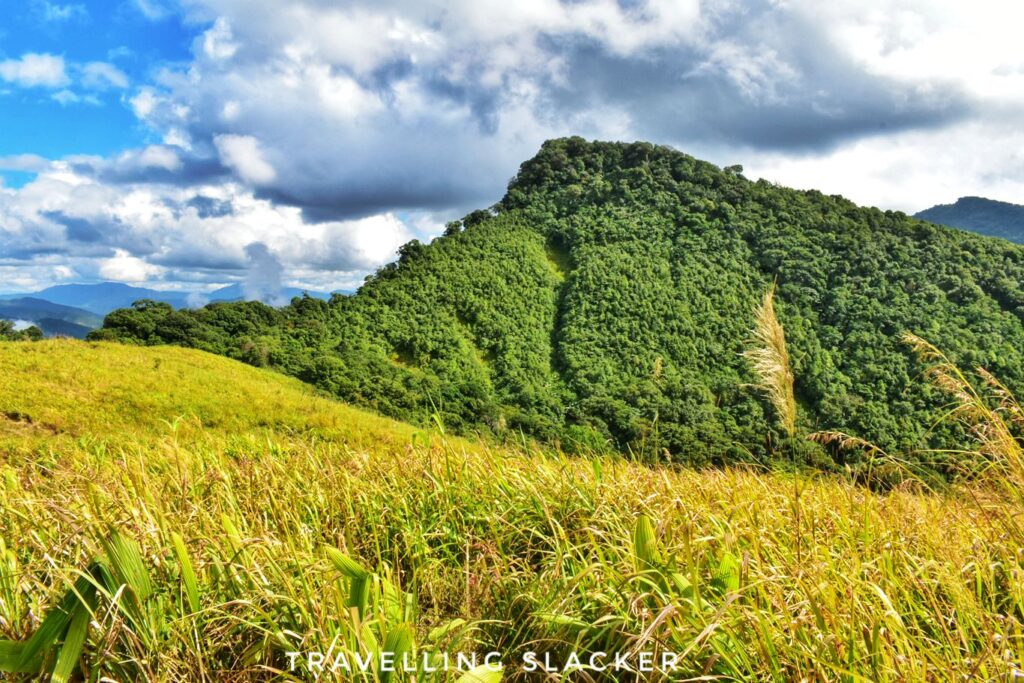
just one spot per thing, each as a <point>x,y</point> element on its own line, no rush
<point>605,302</point>
<point>171,515</point>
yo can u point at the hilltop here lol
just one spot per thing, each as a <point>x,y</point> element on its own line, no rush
<point>980,215</point>
<point>606,300</point>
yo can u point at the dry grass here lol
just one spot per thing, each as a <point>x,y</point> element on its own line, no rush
<point>233,482</point>
<point>770,361</point>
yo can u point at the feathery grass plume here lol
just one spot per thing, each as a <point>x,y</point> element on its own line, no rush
<point>878,469</point>
<point>845,441</point>
<point>770,361</point>
<point>998,450</point>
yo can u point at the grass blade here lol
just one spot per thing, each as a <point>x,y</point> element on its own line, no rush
<point>71,650</point>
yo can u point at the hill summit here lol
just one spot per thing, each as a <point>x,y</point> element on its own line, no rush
<point>607,299</point>
<point>980,215</point>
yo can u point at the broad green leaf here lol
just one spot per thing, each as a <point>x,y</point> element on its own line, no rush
<point>12,658</point>
<point>482,674</point>
<point>359,594</point>
<point>645,544</point>
<point>188,575</point>
<point>128,566</point>
<point>71,650</point>
<point>728,574</point>
<point>442,631</point>
<point>346,565</point>
<point>398,642</point>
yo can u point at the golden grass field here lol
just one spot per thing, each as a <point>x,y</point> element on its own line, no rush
<point>212,517</point>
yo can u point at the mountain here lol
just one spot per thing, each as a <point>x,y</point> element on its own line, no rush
<point>104,297</point>
<point>236,292</point>
<point>606,302</point>
<point>980,215</point>
<point>53,319</point>
<point>55,327</point>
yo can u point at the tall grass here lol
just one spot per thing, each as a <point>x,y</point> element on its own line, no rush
<point>770,361</point>
<point>219,542</point>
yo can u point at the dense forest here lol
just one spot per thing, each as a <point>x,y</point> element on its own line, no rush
<point>980,215</point>
<point>606,302</point>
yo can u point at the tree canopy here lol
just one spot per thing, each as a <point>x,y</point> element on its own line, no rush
<point>607,300</point>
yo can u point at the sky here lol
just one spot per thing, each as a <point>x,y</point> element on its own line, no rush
<point>165,142</point>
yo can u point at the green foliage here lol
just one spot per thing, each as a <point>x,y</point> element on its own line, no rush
<point>614,288</point>
<point>8,333</point>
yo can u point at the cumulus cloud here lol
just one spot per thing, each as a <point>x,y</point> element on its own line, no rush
<point>34,70</point>
<point>71,223</point>
<point>309,127</point>
<point>103,75</point>
<point>123,267</point>
<point>71,83</point>
<point>339,109</point>
<point>24,162</point>
<point>243,154</point>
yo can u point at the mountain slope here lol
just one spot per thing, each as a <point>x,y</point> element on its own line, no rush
<point>103,297</point>
<point>607,299</point>
<point>52,319</point>
<point>236,292</point>
<point>226,495</point>
<point>980,215</point>
<point>63,390</point>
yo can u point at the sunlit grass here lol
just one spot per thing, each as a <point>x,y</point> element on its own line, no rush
<point>234,483</point>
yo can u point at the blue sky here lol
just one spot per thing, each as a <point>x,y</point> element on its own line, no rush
<point>157,141</point>
<point>114,32</point>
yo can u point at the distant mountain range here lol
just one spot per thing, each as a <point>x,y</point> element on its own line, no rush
<point>103,297</point>
<point>52,318</point>
<point>74,310</point>
<point>980,215</point>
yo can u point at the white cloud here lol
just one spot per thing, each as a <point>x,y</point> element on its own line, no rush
<point>65,225</point>
<point>103,75</point>
<point>144,103</point>
<point>52,11</point>
<point>911,171</point>
<point>156,156</point>
<point>342,115</point>
<point>217,41</point>
<point>24,162</point>
<point>154,10</point>
<point>123,267</point>
<point>244,154</point>
<point>35,70</point>
<point>65,97</point>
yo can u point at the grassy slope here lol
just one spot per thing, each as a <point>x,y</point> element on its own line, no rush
<point>128,395</point>
<point>756,576</point>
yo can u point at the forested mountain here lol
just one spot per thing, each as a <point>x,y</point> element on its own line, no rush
<point>980,215</point>
<point>607,298</point>
<point>101,298</point>
<point>53,319</point>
